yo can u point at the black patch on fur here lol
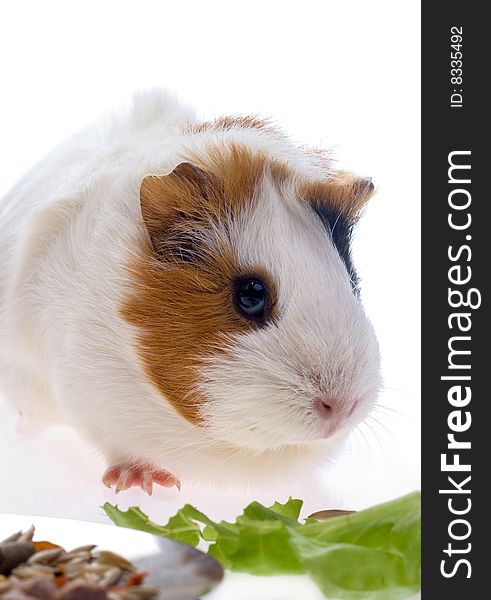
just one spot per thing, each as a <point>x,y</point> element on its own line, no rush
<point>341,233</point>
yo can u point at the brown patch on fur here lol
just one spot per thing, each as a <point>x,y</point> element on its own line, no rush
<point>182,299</point>
<point>344,191</point>
<point>183,195</point>
<point>240,170</point>
<point>207,191</point>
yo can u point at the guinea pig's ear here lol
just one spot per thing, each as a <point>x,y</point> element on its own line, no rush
<point>344,191</point>
<point>168,200</point>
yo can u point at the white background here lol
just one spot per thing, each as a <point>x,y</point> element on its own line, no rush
<point>341,74</point>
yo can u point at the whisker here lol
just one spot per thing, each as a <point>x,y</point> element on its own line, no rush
<point>388,431</point>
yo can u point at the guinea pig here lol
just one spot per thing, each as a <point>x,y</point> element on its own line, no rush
<point>182,294</point>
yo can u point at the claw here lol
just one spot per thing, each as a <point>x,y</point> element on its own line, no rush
<point>147,483</point>
<point>125,476</point>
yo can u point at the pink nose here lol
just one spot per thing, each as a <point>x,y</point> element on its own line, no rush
<point>325,406</point>
<point>329,408</point>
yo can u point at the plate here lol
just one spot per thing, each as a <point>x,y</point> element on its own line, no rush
<point>179,571</point>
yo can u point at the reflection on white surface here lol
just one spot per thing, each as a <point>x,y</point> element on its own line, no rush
<point>238,586</point>
<point>54,473</point>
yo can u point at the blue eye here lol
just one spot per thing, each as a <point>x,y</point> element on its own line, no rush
<point>251,298</point>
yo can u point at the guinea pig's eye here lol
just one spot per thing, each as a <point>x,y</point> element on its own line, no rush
<point>251,298</point>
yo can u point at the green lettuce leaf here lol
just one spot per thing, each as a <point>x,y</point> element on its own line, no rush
<point>180,527</point>
<point>373,554</point>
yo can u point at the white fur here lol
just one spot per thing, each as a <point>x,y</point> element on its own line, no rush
<point>67,231</point>
<point>262,390</point>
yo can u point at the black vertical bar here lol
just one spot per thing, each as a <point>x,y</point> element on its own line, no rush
<point>455,119</point>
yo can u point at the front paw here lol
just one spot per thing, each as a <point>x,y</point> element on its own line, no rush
<point>126,475</point>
